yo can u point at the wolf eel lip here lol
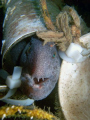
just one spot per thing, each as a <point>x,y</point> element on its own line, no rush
<point>39,82</point>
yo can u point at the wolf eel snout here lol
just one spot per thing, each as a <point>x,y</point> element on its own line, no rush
<point>41,66</point>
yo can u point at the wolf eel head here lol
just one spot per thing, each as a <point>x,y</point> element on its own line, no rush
<point>41,66</point>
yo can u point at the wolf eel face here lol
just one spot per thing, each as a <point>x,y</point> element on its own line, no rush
<point>41,66</point>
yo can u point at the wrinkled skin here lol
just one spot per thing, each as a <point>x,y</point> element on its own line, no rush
<point>41,66</point>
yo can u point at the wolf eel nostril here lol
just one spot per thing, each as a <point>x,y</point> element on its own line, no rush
<point>41,66</point>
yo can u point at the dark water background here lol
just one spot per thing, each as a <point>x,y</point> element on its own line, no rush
<point>1,37</point>
<point>1,29</point>
<point>82,7</point>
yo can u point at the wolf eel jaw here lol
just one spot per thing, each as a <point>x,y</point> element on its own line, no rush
<point>34,88</point>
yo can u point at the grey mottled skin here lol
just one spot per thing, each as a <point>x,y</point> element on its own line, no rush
<point>41,66</point>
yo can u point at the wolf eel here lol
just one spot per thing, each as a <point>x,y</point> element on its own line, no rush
<point>41,66</point>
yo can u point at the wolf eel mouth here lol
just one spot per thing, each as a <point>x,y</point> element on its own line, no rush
<point>41,66</point>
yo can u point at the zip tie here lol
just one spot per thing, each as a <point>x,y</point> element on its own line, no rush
<point>76,53</point>
<point>13,81</point>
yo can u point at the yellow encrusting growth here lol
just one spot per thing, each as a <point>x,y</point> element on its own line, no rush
<point>35,113</point>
